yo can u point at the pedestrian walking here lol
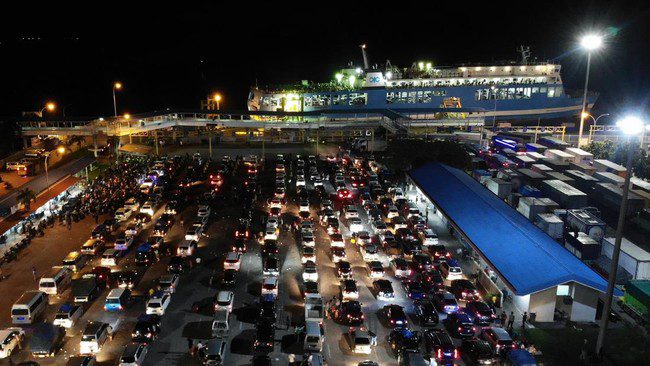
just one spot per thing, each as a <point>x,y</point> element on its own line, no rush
<point>373,339</point>
<point>524,318</point>
<point>34,273</point>
<point>292,358</point>
<point>504,318</point>
<point>199,347</point>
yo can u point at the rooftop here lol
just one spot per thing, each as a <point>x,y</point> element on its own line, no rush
<point>525,257</point>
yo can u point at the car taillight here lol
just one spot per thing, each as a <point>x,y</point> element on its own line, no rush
<point>455,353</point>
<point>439,354</point>
<point>460,329</point>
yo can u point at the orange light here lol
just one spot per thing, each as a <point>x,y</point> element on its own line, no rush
<point>117,85</point>
<point>50,106</point>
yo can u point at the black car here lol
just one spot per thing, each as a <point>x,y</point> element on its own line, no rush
<point>422,262</point>
<point>464,290</point>
<point>414,290</point>
<point>439,252</point>
<point>350,313</point>
<point>146,329</point>
<point>270,266</point>
<point>477,352</point>
<point>426,313</point>
<point>261,360</point>
<point>229,277</point>
<point>310,288</point>
<point>178,264</point>
<point>333,224</point>
<point>127,279</point>
<point>270,248</point>
<point>265,336</point>
<point>268,310</point>
<point>383,289</point>
<point>404,340</point>
<point>438,345</point>
<point>460,324</point>
<point>480,312</point>
<point>395,316</point>
<point>239,245</point>
<point>432,280</point>
<point>100,232</point>
<point>344,269</point>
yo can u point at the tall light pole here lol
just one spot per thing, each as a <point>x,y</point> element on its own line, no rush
<point>587,115</point>
<point>590,43</point>
<point>217,98</point>
<point>61,150</point>
<point>632,127</point>
<point>116,86</point>
<point>50,106</point>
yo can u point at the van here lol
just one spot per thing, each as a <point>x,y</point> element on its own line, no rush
<point>314,336</point>
<point>28,307</point>
<point>221,323</point>
<point>499,340</point>
<point>117,299</point>
<point>94,337</point>
<point>56,281</point>
<point>214,351</point>
<point>74,261</point>
<point>110,257</point>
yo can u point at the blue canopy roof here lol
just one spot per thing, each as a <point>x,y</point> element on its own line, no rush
<point>525,257</point>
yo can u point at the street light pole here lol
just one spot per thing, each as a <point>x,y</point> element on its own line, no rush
<point>590,42</point>
<point>584,115</point>
<point>632,127</point>
<point>116,86</point>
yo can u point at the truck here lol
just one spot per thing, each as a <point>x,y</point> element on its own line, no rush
<point>86,288</point>
<point>314,309</point>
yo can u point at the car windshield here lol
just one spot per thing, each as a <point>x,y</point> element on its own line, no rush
<point>362,341</point>
<point>19,312</point>
<point>127,359</point>
<point>88,338</point>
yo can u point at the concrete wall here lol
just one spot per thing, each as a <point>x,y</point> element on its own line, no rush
<point>585,300</point>
<point>543,304</point>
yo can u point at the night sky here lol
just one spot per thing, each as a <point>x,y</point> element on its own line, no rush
<point>173,57</point>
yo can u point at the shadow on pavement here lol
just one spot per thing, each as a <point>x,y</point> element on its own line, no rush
<point>247,313</point>
<point>293,343</point>
<point>243,342</point>
<point>198,330</point>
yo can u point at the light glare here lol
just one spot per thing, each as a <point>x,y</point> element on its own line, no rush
<point>631,125</point>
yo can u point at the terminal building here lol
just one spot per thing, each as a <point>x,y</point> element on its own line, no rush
<point>513,258</point>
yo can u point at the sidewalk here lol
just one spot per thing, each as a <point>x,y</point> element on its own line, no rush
<point>9,222</point>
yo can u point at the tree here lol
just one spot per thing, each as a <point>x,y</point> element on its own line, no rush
<point>618,154</point>
<point>601,149</point>
<point>26,196</point>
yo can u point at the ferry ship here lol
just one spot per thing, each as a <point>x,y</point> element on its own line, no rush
<point>508,91</point>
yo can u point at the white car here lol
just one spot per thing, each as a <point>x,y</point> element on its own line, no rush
<point>270,286</point>
<point>351,211</point>
<point>194,232</point>
<point>273,221</point>
<point>134,354</point>
<point>349,290</point>
<point>168,283</point>
<point>318,182</point>
<point>159,303</point>
<point>370,252</point>
<point>355,224</point>
<point>308,254</point>
<point>379,226</point>
<point>276,203</point>
<point>132,204</point>
<point>68,315</point>
<point>123,243</point>
<point>310,272</point>
<point>10,339</point>
<point>304,206</point>
<point>300,182</point>
<point>224,301</point>
<point>308,240</point>
<point>336,241</point>
<point>271,233</point>
<point>203,212</point>
<point>428,237</point>
<point>233,261</point>
<point>147,208</point>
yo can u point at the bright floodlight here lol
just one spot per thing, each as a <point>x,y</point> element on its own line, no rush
<point>61,149</point>
<point>591,42</point>
<point>631,125</point>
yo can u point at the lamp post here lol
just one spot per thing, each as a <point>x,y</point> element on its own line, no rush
<point>587,115</point>
<point>116,86</point>
<point>590,43</point>
<point>217,98</point>
<point>632,127</point>
<point>61,150</point>
<point>50,106</point>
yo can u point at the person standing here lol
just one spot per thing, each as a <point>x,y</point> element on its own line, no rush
<point>504,318</point>
<point>524,318</point>
<point>190,346</point>
<point>34,273</point>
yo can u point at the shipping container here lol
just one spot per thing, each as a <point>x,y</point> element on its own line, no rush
<point>582,167</point>
<point>607,177</point>
<point>558,155</point>
<point>499,187</point>
<point>530,207</point>
<point>513,199</point>
<point>564,194</point>
<point>603,165</point>
<point>481,175</point>
<point>550,224</point>
<point>530,191</point>
<point>582,246</point>
<point>531,178</point>
<point>561,177</point>
<point>558,166</point>
<point>523,161</point>
<point>633,259</point>
<point>579,155</point>
<point>540,168</point>
<point>586,222</point>
<point>641,184</point>
<point>610,196</point>
<point>537,156</point>
<point>511,176</point>
<point>552,143</point>
<point>533,147</point>
<point>582,181</point>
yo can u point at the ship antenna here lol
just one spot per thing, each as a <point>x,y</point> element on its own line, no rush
<point>525,54</point>
<point>366,64</point>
